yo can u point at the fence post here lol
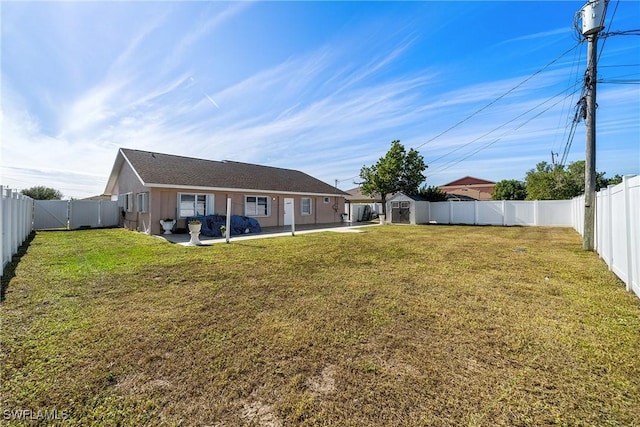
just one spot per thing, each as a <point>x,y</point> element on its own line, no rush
<point>14,215</point>
<point>450,212</point>
<point>475,212</point>
<point>293,216</point>
<point>504,213</point>
<point>2,229</point>
<point>609,225</point>
<point>629,240</point>
<point>227,231</point>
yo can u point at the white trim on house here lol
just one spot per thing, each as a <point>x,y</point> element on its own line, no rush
<point>238,190</point>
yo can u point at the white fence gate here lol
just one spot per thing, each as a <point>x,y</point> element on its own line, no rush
<point>75,214</point>
<point>16,211</point>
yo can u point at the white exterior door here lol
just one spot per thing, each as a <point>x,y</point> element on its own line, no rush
<point>288,211</point>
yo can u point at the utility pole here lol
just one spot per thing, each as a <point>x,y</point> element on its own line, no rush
<point>592,16</point>
<point>590,156</point>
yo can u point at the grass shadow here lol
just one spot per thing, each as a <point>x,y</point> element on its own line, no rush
<point>9,271</point>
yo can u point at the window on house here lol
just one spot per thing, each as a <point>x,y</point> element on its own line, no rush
<point>125,202</point>
<point>326,200</point>
<point>194,204</point>
<point>395,205</point>
<point>257,206</point>
<point>142,202</point>
<point>404,205</point>
<point>305,206</point>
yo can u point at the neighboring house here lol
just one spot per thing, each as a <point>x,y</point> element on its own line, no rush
<point>408,209</point>
<point>357,202</point>
<point>102,197</point>
<point>151,187</point>
<point>470,187</point>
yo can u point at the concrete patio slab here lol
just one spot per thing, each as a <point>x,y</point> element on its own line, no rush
<point>269,232</point>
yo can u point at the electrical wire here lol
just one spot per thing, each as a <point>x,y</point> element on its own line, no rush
<point>487,145</point>
<point>497,99</point>
<point>569,119</point>
<point>604,41</point>
<point>506,123</point>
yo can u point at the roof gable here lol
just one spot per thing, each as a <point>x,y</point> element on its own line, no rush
<point>166,170</point>
<point>468,180</point>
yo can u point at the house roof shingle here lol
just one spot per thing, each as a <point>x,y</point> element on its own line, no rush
<point>166,170</point>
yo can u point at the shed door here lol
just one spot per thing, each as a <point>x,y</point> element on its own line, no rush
<point>400,213</point>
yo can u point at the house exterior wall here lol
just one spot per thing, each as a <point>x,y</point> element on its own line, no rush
<point>163,204</point>
<point>128,183</point>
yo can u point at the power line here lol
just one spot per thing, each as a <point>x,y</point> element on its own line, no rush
<point>575,79</point>
<point>610,22</point>
<point>506,123</point>
<point>448,166</point>
<point>497,99</point>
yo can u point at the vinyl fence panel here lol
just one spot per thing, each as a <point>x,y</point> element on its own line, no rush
<point>84,214</point>
<point>489,213</point>
<point>75,214</point>
<point>16,213</point>
<point>51,214</point>
<point>617,229</point>
<point>554,213</point>
<point>463,213</point>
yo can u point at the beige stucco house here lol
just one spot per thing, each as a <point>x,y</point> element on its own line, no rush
<point>151,187</point>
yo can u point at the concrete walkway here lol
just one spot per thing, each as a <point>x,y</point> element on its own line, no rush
<point>267,232</point>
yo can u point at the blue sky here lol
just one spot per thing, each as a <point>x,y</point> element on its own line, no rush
<point>322,87</point>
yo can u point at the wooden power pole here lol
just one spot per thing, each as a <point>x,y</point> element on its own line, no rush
<point>592,16</point>
<point>590,156</point>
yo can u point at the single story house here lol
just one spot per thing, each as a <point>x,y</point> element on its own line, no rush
<point>470,187</point>
<point>407,209</point>
<point>359,205</point>
<point>151,187</point>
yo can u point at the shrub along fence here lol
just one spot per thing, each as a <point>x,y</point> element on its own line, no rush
<point>16,212</point>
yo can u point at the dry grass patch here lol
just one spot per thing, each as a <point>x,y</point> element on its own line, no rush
<point>396,326</point>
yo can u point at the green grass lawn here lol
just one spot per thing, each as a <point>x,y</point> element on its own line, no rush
<point>398,325</point>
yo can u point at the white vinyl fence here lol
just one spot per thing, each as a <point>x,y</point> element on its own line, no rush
<point>552,213</point>
<point>617,234</point>
<point>16,211</point>
<point>75,214</point>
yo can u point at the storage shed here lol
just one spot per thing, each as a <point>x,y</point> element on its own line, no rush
<point>408,209</point>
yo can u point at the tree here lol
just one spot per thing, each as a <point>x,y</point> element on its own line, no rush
<point>615,180</point>
<point>396,171</point>
<point>509,189</point>
<point>547,182</point>
<point>41,192</point>
<point>432,193</point>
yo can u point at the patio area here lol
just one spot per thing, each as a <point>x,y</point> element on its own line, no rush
<point>267,232</point>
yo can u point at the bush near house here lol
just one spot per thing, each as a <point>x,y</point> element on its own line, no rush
<point>427,325</point>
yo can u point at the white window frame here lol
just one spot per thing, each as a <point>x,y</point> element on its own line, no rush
<point>208,204</point>
<point>125,202</point>
<point>142,202</point>
<point>254,212</point>
<point>303,211</point>
<point>326,199</point>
